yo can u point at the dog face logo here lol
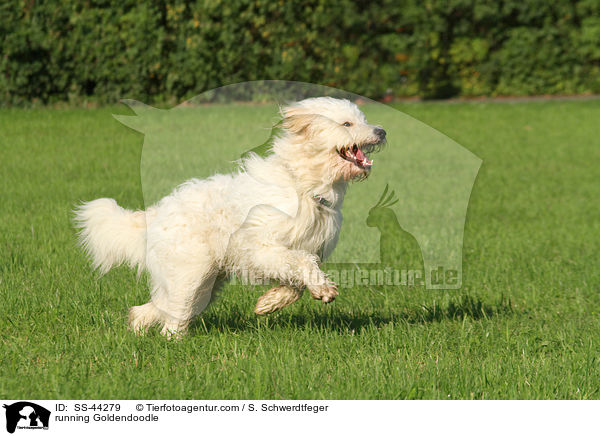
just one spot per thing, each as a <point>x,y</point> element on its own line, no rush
<point>26,415</point>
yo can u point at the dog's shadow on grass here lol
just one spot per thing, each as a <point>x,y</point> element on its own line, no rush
<point>337,320</point>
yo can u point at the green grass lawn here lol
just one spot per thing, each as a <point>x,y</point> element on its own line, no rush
<point>524,325</point>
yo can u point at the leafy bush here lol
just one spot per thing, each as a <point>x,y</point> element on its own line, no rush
<point>169,50</point>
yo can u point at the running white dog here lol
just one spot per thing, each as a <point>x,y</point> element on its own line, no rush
<point>278,218</point>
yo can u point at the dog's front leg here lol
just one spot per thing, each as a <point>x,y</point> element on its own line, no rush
<point>298,268</point>
<point>277,298</point>
<point>301,269</point>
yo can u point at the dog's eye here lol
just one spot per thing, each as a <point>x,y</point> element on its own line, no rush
<point>347,124</point>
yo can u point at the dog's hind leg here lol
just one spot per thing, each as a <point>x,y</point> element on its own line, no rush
<point>183,303</point>
<point>141,318</point>
<point>182,286</point>
<point>277,298</point>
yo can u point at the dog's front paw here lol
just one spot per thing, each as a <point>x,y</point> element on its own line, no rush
<point>277,298</point>
<point>325,292</point>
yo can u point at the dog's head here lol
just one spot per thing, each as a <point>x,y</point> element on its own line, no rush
<point>329,136</point>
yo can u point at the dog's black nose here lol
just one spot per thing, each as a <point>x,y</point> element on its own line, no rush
<point>380,133</point>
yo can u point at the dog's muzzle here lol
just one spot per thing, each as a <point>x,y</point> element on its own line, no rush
<point>358,155</point>
<point>355,155</point>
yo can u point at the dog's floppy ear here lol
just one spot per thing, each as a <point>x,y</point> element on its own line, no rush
<point>305,124</point>
<point>298,124</point>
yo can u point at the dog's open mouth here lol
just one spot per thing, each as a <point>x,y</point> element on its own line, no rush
<point>358,155</point>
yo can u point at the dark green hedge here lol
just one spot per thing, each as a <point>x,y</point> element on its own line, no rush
<point>105,50</point>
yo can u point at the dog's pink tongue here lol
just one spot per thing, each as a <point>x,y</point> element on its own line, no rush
<point>360,155</point>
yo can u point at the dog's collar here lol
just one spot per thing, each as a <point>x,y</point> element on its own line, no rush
<point>322,200</point>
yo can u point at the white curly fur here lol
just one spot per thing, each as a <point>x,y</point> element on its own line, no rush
<point>262,221</point>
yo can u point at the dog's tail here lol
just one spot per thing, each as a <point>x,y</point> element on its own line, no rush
<point>111,235</point>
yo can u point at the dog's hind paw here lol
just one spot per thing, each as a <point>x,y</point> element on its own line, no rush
<point>173,332</point>
<point>142,317</point>
<point>326,292</point>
